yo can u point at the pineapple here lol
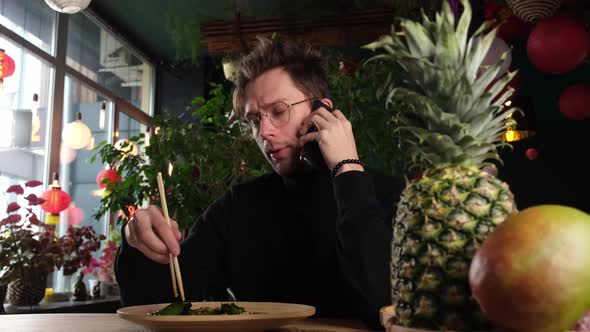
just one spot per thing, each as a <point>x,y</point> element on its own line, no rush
<point>452,110</point>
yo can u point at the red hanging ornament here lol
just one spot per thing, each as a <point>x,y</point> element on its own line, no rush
<point>109,174</point>
<point>195,172</point>
<point>532,153</point>
<point>7,66</point>
<point>574,102</point>
<point>75,214</point>
<point>513,29</point>
<point>243,167</point>
<point>56,200</point>
<point>557,45</point>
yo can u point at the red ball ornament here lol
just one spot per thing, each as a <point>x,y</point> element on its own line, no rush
<point>7,65</point>
<point>109,174</point>
<point>557,45</point>
<point>574,102</point>
<point>514,29</point>
<point>532,153</point>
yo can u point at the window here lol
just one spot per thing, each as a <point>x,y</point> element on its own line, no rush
<point>77,174</point>
<point>96,53</point>
<point>32,20</point>
<point>99,69</point>
<point>25,125</point>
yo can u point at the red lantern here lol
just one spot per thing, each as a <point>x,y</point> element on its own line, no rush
<point>557,45</point>
<point>110,174</point>
<point>75,215</point>
<point>514,29</point>
<point>6,65</point>
<point>574,102</point>
<point>56,200</point>
<point>532,153</point>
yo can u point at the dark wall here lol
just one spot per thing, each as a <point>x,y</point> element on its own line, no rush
<point>560,174</point>
<point>177,85</point>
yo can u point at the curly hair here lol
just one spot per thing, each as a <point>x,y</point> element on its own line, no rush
<point>304,64</point>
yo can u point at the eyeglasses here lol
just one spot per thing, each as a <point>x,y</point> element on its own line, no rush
<point>278,113</point>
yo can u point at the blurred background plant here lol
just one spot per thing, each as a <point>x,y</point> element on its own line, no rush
<point>199,157</point>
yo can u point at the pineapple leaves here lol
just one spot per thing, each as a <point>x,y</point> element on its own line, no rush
<point>444,104</point>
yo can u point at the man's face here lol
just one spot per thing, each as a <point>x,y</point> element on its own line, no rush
<point>280,145</point>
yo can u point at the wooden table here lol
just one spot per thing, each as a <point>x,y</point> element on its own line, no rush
<point>112,323</point>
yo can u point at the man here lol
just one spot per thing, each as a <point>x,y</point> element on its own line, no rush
<point>318,237</point>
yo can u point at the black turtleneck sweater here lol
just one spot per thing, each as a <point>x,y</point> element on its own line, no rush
<point>308,239</point>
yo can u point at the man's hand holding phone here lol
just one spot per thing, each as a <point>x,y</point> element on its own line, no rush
<point>334,136</point>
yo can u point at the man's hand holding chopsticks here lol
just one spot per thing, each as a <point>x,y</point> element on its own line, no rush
<point>149,232</point>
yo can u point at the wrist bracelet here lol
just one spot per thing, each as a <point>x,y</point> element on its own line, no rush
<point>346,161</point>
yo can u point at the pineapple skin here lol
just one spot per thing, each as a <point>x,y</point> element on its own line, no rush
<point>442,219</point>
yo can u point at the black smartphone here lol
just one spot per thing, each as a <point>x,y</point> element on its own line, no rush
<point>310,154</point>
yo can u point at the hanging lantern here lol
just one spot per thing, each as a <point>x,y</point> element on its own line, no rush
<point>230,68</point>
<point>102,115</point>
<point>7,66</point>
<point>557,45</point>
<point>109,174</point>
<point>532,153</point>
<point>574,102</point>
<point>56,200</point>
<point>513,29</point>
<point>68,6</point>
<point>76,134</point>
<point>533,10</point>
<point>75,214</point>
<point>520,125</point>
<point>36,121</point>
<point>66,155</point>
<point>243,167</point>
<point>127,147</point>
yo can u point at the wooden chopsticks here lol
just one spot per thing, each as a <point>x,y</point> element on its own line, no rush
<point>174,267</point>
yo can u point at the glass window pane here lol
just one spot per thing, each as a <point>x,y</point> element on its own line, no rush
<point>77,173</point>
<point>31,19</point>
<point>25,124</point>
<point>100,56</point>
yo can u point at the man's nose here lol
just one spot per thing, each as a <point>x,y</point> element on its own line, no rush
<point>266,127</point>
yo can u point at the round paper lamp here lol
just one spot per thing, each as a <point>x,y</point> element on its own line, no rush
<point>533,10</point>
<point>130,147</point>
<point>56,200</point>
<point>66,155</point>
<point>68,6</point>
<point>76,134</point>
<point>109,174</point>
<point>574,102</point>
<point>557,45</point>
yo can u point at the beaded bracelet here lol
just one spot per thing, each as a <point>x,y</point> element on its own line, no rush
<point>346,161</point>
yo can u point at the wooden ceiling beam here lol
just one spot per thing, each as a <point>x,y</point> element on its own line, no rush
<point>354,28</point>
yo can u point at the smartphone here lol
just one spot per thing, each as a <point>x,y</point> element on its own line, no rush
<point>310,154</point>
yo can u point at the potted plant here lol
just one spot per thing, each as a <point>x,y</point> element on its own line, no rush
<point>103,268</point>
<point>30,249</point>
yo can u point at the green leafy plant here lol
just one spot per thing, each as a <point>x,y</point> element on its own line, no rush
<point>27,244</point>
<point>355,91</point>
<point>207,154</point>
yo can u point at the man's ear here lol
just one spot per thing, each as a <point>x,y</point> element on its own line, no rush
<point>328,102</point>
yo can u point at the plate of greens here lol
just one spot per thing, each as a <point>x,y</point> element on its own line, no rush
<point>216,316</point>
